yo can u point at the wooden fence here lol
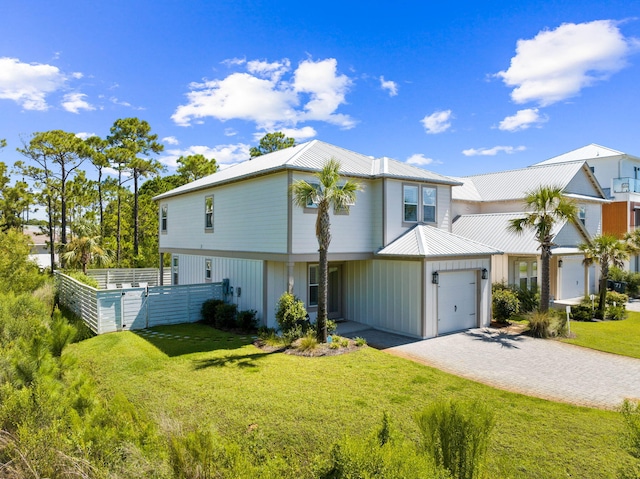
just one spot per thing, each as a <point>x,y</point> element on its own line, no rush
<point>122,309</point>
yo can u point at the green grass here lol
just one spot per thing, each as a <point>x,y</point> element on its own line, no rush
<point>299,406</point>
<point>618,337</point>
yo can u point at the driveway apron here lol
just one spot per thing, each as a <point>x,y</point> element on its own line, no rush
<point>541,368</point>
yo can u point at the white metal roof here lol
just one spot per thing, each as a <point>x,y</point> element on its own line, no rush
<point>588,152</point>
<point>311,156</point>
<point>493,229</point>
<point>431,242</point>
<point>516,184</point>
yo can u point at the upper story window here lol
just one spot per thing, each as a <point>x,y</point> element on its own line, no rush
<point>429,204</point>
<point>410,203</point>
<point>208,213</point>
<point>582,214</point>
<point>413,197</point>
<point>164,211</point>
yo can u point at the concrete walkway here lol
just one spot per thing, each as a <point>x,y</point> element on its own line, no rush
<point>542,368</point>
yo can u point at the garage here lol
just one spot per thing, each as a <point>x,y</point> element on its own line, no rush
<point>572,283</point>
<point>457,301</point>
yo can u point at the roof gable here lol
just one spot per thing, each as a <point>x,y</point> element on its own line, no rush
<point>588,152</point>
<point>311,156</point>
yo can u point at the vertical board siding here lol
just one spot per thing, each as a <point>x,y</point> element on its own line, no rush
<point>385,294</point>
<point>135,308</point>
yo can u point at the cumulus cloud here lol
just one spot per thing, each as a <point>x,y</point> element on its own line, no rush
<point>438,122</point>
<point>313,91</point>
<point>170,140</point>
<point>299,134</point>
<point>225,155</point>
<point>390,86</point>
<point>492,151</point>
<point>74,102</point>
<point>419,159</point>
<point>558,64</point>
<point>522,120</point>
<point>83,135</point>
<point>28,84</point>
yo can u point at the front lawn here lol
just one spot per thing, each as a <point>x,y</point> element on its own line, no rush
<point>618,337</point>
<point>297,407</point>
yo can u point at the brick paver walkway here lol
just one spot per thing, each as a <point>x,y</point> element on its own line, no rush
<point>536,367</point>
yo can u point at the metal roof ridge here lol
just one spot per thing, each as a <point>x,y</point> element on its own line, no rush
<point>526,168</point>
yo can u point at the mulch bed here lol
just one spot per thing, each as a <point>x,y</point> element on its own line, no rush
<point>322,349</point>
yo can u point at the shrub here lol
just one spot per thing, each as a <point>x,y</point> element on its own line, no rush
<point>529,300</point>
<point>82,278</point>
<point>505,305</point>
<point>582,311</point>
<point>247,320</point>
<point>360,341</point>
<point>208,311</point>
<point>455,435</point>
<point>308,342</point>
<point>616,313</point>
<point>291,315</point>
<point>226,316</point>
<point>547,325</point>
<point>618,298</point>
<point>332,326</point>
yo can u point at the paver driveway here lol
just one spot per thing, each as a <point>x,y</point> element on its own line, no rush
<point>536,367</point>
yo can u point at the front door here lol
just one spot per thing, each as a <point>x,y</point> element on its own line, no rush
<point>334,293</point>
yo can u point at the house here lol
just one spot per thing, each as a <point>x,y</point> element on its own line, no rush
<point>39,242</point>
<point>394,263</point>
<point>484,205</point>
<point>619,175</point>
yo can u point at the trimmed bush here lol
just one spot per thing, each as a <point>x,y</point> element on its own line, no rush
<point>226,316</point>
<point>208,311</point>
<point>247,320</point>
<point>292,316</point>
<point>455,435</point>
<point>505,305</point>
<point>582,311</point>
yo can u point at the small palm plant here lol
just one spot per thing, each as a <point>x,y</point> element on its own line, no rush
<point>85,248</point>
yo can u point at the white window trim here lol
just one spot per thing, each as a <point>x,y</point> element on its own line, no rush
<point>164,218</point>
<point>208,268</point>
<point>312,307</point>
<point>209,229</point>
<point>420,205</point>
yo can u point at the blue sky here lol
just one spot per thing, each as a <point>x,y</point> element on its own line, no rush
<point>458,88</point>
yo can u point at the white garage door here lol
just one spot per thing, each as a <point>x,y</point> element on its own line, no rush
<point>457,302</point>
<point>572,283</point>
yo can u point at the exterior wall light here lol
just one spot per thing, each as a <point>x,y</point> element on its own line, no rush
<point>485,273</point>
<point>434,277</point>
<point>559,263</point>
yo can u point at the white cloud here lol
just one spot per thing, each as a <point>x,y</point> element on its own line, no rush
<point>225,155</point>
<point>437,122</point>
<point>419,159</point>
<point>522,120</point>
<point>492,151</point>
<point>74,102</point>
<point>170,140</point>
<point>390,86</point>
<point>230,132</point>
<point>117,101</point>
<point>299,134</point>
<point>314,91</point>
<point>28,84</point>
<point>557,64</point>
<point>83,135</point>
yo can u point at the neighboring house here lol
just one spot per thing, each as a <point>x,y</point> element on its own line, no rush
<point>484,205</point>
<point>619,175</point>
<point>393,262</point>
<point>39,246</point>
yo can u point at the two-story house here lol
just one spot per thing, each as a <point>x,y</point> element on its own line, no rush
<point>393,262</point>
<point>619,175</point>
<point>484,205</point>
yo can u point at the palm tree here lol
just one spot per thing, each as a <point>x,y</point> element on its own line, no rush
<point>546,207</point>
<point>85,248</point>
<point>325,194</point>
<point>606,250</point>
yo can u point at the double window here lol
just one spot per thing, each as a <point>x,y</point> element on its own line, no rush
<point>414,197</point>
<point>208,214</point>
<point>164,212</point>
<point>528,275</point>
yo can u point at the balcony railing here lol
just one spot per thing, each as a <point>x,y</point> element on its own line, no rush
<point>626,185</point>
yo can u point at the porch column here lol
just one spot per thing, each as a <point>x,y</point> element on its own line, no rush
<point>161,282</point>
<point>290,280</point>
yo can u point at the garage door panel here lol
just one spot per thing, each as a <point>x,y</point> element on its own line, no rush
<point>457,301</point>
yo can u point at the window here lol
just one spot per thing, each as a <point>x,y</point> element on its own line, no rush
<point>528,275</point>
<point>207,270</point>
<point>410,203</point>
<point>313,285</point>
<point>175,270</point>
<point>208,213</point>
<point>582,214</point>
<point>428,204</point>
<point>164,210</point>
<point>311,203</point>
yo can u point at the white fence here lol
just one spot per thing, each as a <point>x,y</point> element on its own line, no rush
<point>106,311</point>
<point>150,276</point>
